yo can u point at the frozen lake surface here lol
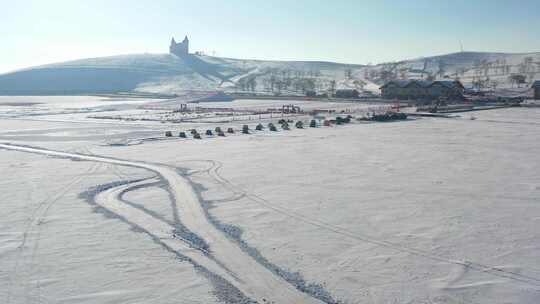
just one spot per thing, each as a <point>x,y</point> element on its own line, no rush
<point>422,211</point>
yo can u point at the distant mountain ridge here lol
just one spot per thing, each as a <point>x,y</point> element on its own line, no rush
<point>166,73</point>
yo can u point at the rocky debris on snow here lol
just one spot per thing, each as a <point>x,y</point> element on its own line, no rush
<point>191,238</point>
<point>388,116</point>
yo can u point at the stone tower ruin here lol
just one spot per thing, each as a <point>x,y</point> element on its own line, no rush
<point>179,49</point>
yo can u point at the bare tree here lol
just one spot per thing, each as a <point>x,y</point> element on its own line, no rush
<point>359,84</point>
<point>266,84</point>
<point>387,75</point>
<point>332,87</point>
<point>348,73</point>
<point>517,79</point>
<point>242,84</point>
<point>522,68</point>
<point>273,80</point>
<point>480,83</point>
<point>494,84</point>
<point>528,62</point>
<point>441,68</point>
<point>403,73</point>
<point>252,84</point>
<point>279,87</point>
<point>424,68</point>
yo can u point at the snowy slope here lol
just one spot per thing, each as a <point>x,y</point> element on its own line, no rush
<point>157,73</point>
<point>164,73</point>
<point>465,66</point>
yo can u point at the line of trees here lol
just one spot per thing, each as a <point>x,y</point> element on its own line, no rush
<point>247,84</point>
<point>277,81</point>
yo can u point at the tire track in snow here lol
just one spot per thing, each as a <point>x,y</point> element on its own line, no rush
<point>107,200</point>
<point>35,222</point>
<point>251,278</point>
<point>492,270</point>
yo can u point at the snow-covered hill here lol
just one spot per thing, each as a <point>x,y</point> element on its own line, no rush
<point>168,74</point>
<point>483,68</point>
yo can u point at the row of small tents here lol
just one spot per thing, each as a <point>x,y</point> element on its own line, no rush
<point>285,125</point>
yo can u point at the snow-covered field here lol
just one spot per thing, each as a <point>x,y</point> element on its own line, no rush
<point>422,211</point>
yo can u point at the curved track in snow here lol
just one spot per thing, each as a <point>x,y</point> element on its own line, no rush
<point>213,172</point>
<point>225,258</point>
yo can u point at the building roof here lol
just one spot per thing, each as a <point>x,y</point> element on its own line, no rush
<point>449,83</point>
<point>423,83</point>
<point>536,84</point>
<point>399,83</point>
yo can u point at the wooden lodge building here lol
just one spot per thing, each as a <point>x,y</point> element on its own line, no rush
<point>422,89</point>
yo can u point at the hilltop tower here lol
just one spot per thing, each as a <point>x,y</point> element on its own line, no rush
<point>179,49</point>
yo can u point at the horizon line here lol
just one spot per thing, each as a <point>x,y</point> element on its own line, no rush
<point>274,60</point>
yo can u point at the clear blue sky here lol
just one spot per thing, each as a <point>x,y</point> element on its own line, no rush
<point>354,31</point>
